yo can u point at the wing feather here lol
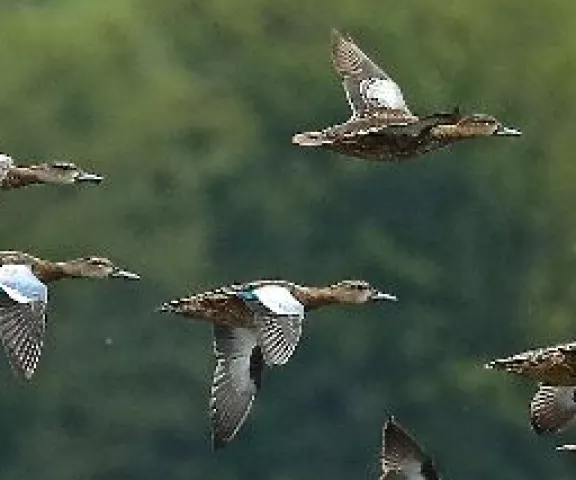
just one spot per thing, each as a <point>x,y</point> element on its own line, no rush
<point>367,86</point>
<point>237,377</point>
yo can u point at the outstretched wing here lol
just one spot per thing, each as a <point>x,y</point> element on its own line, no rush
<point>552,409</point>
<point>278,317</point>
<point>23,300</point>
<point>402,457</point>
<point>367,87</point>
<point>237,377</point>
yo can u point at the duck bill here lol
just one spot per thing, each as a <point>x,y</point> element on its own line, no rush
<point>507,131</point>
<point>377,296</point>
<point>125,274</point>
<point>566,448</point>
<point>86,177</point>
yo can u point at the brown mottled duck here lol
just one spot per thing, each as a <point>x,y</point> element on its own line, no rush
<point>24,300</point>
<point>62,173</point>
<point>382,127</point>
<point>255,324</point>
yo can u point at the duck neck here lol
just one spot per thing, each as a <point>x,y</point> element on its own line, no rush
<point>18,177</point>
<point>315,297</point>
<point>50,271</point>
<point>452,132</point>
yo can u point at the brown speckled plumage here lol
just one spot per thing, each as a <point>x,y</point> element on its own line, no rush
<point>381,126</point>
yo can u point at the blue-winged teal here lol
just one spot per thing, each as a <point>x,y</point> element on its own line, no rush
<point>402,457</point>
<point>64,173</point>
<point>553,409</point>
<point>24,299</point>
<point>554,366</point>
<point>382,127</point>
<point>255,324</point>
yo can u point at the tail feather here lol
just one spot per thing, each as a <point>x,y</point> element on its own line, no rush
<point>510,364</point>
<point>309,139</point>
<point>173,306</point>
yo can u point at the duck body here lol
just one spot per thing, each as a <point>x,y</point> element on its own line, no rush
<point>384,137</point>
<point>382,127</point>
<point>24,301</point>
<point>63,173</point>
<point>226,306</point>
<point>256,324</point>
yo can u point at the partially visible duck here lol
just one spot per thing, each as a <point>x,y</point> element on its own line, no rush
<point>402,457</point>
<point>63,173</point>
<point>382,127</point>
<point>24,300</point>
<point>554,366</point>
<point>255,324</point>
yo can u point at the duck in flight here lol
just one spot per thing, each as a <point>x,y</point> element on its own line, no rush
<point>62,173</point>
<point>402,458</point>
<point>553,407</point>
<point>24,300</point>
<point>256,324</point>
<point>382,127</point>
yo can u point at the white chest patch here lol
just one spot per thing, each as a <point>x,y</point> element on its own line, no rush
<point>279,300</point>
<point>382,93</point>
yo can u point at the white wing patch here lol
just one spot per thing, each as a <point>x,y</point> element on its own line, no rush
<point>279,300</point>
<point>382,93</point>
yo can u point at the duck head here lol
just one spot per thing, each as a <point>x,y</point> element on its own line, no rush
<point>65,173</point>
<point>482,125</point>
<point>96,267</point>
<point>358,291</point>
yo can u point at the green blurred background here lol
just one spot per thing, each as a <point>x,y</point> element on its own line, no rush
<point>188,108</point>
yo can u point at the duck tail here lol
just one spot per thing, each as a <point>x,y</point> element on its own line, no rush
<point>309,139</point>
<point>174,306</point>
<point>510,364</point>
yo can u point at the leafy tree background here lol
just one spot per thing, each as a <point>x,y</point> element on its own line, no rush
<point>188,108</point>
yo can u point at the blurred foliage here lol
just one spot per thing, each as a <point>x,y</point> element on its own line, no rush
<point>188,109</point>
